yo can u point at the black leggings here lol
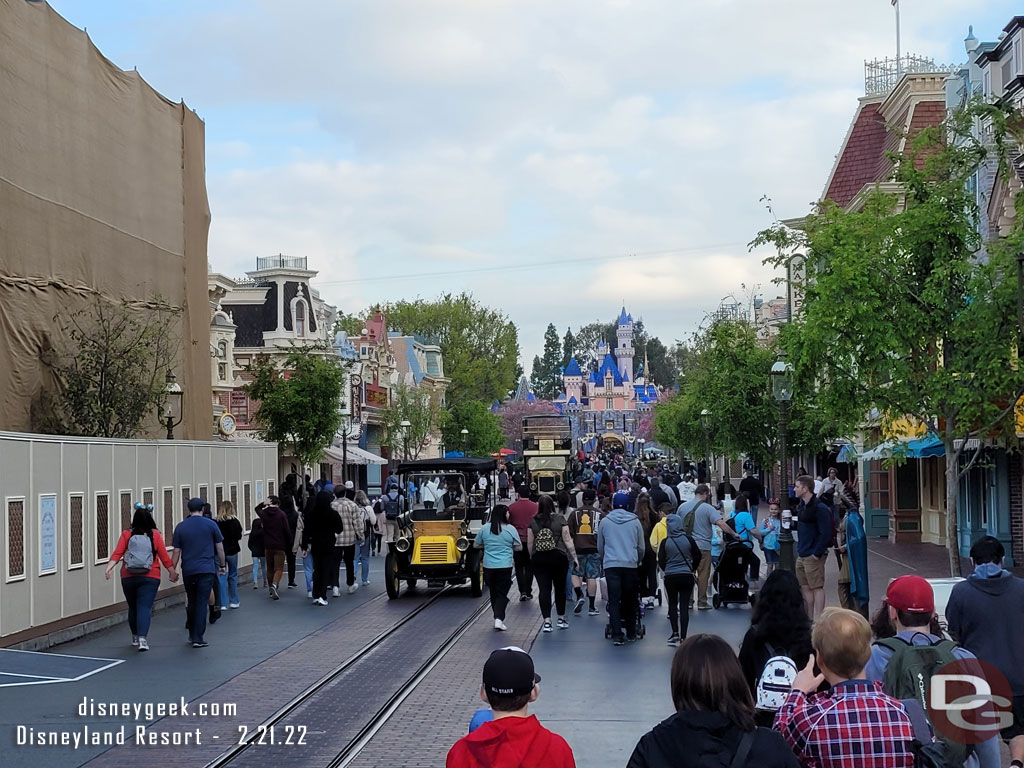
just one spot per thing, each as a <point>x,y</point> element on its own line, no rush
<point>499,582</point>
<point>649,574</point>
<point>345,555</point>
<point>679,588</point>
<point>550,568</point>
<point>323,560</point>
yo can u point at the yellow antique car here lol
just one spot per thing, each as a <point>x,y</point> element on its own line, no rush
<point>445,503</point>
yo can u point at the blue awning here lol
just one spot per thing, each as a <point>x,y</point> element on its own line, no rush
<point>847,454</point>
<point>923,447</point>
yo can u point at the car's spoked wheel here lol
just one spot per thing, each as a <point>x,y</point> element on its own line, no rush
<point>391,581</point>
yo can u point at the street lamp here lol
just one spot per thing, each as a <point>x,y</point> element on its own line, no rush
<point>465,439</point>
<point>782,390</point>
<point>171,410</point>
<point>705,422</point>
<point>405,434</point>
<point>642,441</point>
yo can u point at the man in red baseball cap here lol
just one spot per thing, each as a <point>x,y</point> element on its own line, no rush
<point>514,738</point>
<point>906,647</point>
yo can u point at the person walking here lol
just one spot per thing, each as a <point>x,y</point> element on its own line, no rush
<point>391,505</point>
<point>305,554</point>
<point>751,486</point>
<point>984,615</point>
<point>199,547</point>
<point>350,535</point>
<point>679,558</point>
<point>257,548</point>
<point>714,720</point>
<point>854,723</point>
<point>551,552</point>
<point>686,488</point>
<point>583,524</point>
<point>231,530</point>
<point>521,513</point>
<point>277,537</point>
<point>503,482</point>
<point>141,550</point>
<point>648,571</point>
<point>620,541</point>
<point>769,529</point>
<point>291,512</point>
<point>698,518</point>
<point>499,541</point>
<point>779,626</point>
<point>321,527</point>
<point>814,534</point>
<point>363,550</point>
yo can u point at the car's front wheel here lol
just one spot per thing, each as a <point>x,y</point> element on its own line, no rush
<point>476,576</point>
<point>391,581</point>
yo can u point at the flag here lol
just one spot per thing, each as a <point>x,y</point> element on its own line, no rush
<point>895,2</point>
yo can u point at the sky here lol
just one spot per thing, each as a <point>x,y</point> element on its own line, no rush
<point>556,159</point>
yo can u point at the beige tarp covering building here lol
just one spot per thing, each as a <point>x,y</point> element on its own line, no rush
<point>102,191</point>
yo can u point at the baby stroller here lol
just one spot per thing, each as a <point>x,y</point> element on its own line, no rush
<point>730,577</point>
<point>639,630</point>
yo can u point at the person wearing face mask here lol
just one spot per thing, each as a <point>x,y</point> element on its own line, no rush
<point>985,616</point>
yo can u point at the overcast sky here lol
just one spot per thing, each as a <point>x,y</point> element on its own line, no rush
<point>570,155</point>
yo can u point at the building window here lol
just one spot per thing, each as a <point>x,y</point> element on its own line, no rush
<point>299,314</point>
<point>987,84</point>
<point>15,539</point>
<point>76,530</point>
<point>1016,57</point>
<point>222,371</point>
<point>102,527</point>
<point>608,404</point>
<point>247,501</point>
<point>168,516</point>
<point>222,350</point>
<point>126,510</point>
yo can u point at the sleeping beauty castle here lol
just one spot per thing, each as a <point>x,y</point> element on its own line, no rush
<point>605,403</point>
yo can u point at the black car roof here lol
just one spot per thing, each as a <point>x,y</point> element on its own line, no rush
<point>468,464</point>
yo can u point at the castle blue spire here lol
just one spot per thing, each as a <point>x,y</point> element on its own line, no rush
<point>624,317</point>
<point>573,368</point>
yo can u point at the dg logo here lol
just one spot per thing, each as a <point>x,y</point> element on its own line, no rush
<point>970,701</point>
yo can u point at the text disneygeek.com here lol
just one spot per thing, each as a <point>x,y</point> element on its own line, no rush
<point>147,735</point>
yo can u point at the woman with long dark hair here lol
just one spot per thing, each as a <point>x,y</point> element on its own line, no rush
<point>714,719</point>
<point>551,552</point>
<point>141,550</point>
<point>779,626</point>
<point>499,540</point>
<point>648,569</point>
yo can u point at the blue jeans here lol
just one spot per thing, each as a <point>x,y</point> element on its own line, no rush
<point>228,583</point>
<point>307,567</point>
<point>363,558</point>
<point>753,512</point>
<point>198,587</point>
<point>139,593</point>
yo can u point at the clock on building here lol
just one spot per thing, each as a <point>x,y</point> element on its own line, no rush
<point>227,424</point>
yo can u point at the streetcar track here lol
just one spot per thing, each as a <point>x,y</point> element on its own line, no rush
<point>237,750</point>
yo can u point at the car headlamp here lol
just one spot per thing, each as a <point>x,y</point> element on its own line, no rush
<point>403,544</point>
<point>462,544</point>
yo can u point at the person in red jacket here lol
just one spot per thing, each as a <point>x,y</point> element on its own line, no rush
<point>514,738</point>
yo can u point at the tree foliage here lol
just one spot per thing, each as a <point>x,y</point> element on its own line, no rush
<point>902,314</point>
<point>568,347</point>
<point>480,345</point>
<point>110,368</point>
<point>299,403</point>
<point>546,375</point>
<point>484,429</point>
<point>512,414</point>
<point>418,408</point>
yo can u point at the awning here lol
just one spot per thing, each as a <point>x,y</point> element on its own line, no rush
<point>847,454</point>
<point>354,455</point>
<point>917,448</point>
<point>926,446</point>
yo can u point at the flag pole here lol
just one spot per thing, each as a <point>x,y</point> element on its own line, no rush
<point>899,61</point>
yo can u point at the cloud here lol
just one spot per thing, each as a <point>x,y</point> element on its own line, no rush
<point>387,139</point>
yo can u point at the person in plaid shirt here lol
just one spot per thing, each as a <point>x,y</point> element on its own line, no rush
<point>854,724</point>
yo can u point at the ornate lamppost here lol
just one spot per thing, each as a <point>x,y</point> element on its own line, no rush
<point>782,390</point>
<point>405,424</point>
<point>705,422</point>
<point>465,439</point>
<point>171,411</point>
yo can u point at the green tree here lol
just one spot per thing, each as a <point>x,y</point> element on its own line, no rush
<point>568,347</point>
<point>546,376</point>
<point>483,427</point>
<point>480,345</point>
<point>419,409</point>
<point>110,369</point>
<point>587,339</point>
<point>900,314</point>
<point>664,370</point>
<point>299,412</point>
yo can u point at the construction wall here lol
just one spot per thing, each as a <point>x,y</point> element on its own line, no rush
<point>102,193</point>
<point>66,501</point>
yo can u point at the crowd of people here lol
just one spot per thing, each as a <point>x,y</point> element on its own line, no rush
<point>809,685</point>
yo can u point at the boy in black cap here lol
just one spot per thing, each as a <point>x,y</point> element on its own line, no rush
<point>514,738</point>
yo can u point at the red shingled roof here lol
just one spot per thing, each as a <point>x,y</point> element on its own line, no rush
<point>858,164</point>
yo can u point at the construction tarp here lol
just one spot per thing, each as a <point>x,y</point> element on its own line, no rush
<point>102,196</point>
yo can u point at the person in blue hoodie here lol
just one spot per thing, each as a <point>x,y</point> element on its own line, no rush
<point>985,614</point>
<point>620,542</point>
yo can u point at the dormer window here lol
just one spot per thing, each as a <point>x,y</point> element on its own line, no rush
<point>299,315</point>
<point>222,350</point>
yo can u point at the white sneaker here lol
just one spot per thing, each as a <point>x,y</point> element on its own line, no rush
<point>236,605</point>
<point>366,583</point>
<point>319,601</point>
<point>135,641</point>
<point>336,592</point>
<point>500,625</point>
<point>309,593</point>
<point>353,587</point>
<point>143,644</point>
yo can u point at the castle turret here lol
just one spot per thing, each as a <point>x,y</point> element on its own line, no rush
<point>624,350</point>
<point>572,381</point>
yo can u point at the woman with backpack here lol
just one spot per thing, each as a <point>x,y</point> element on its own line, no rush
<point>648,518</point>
<point>257,548</point>
<point>551,552</point>
<point>679,558</point>
<point>714,720</point>
<point>141,550</point>
<point>231,530</point>
<point>499,541</point>
<point>779,627</point>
